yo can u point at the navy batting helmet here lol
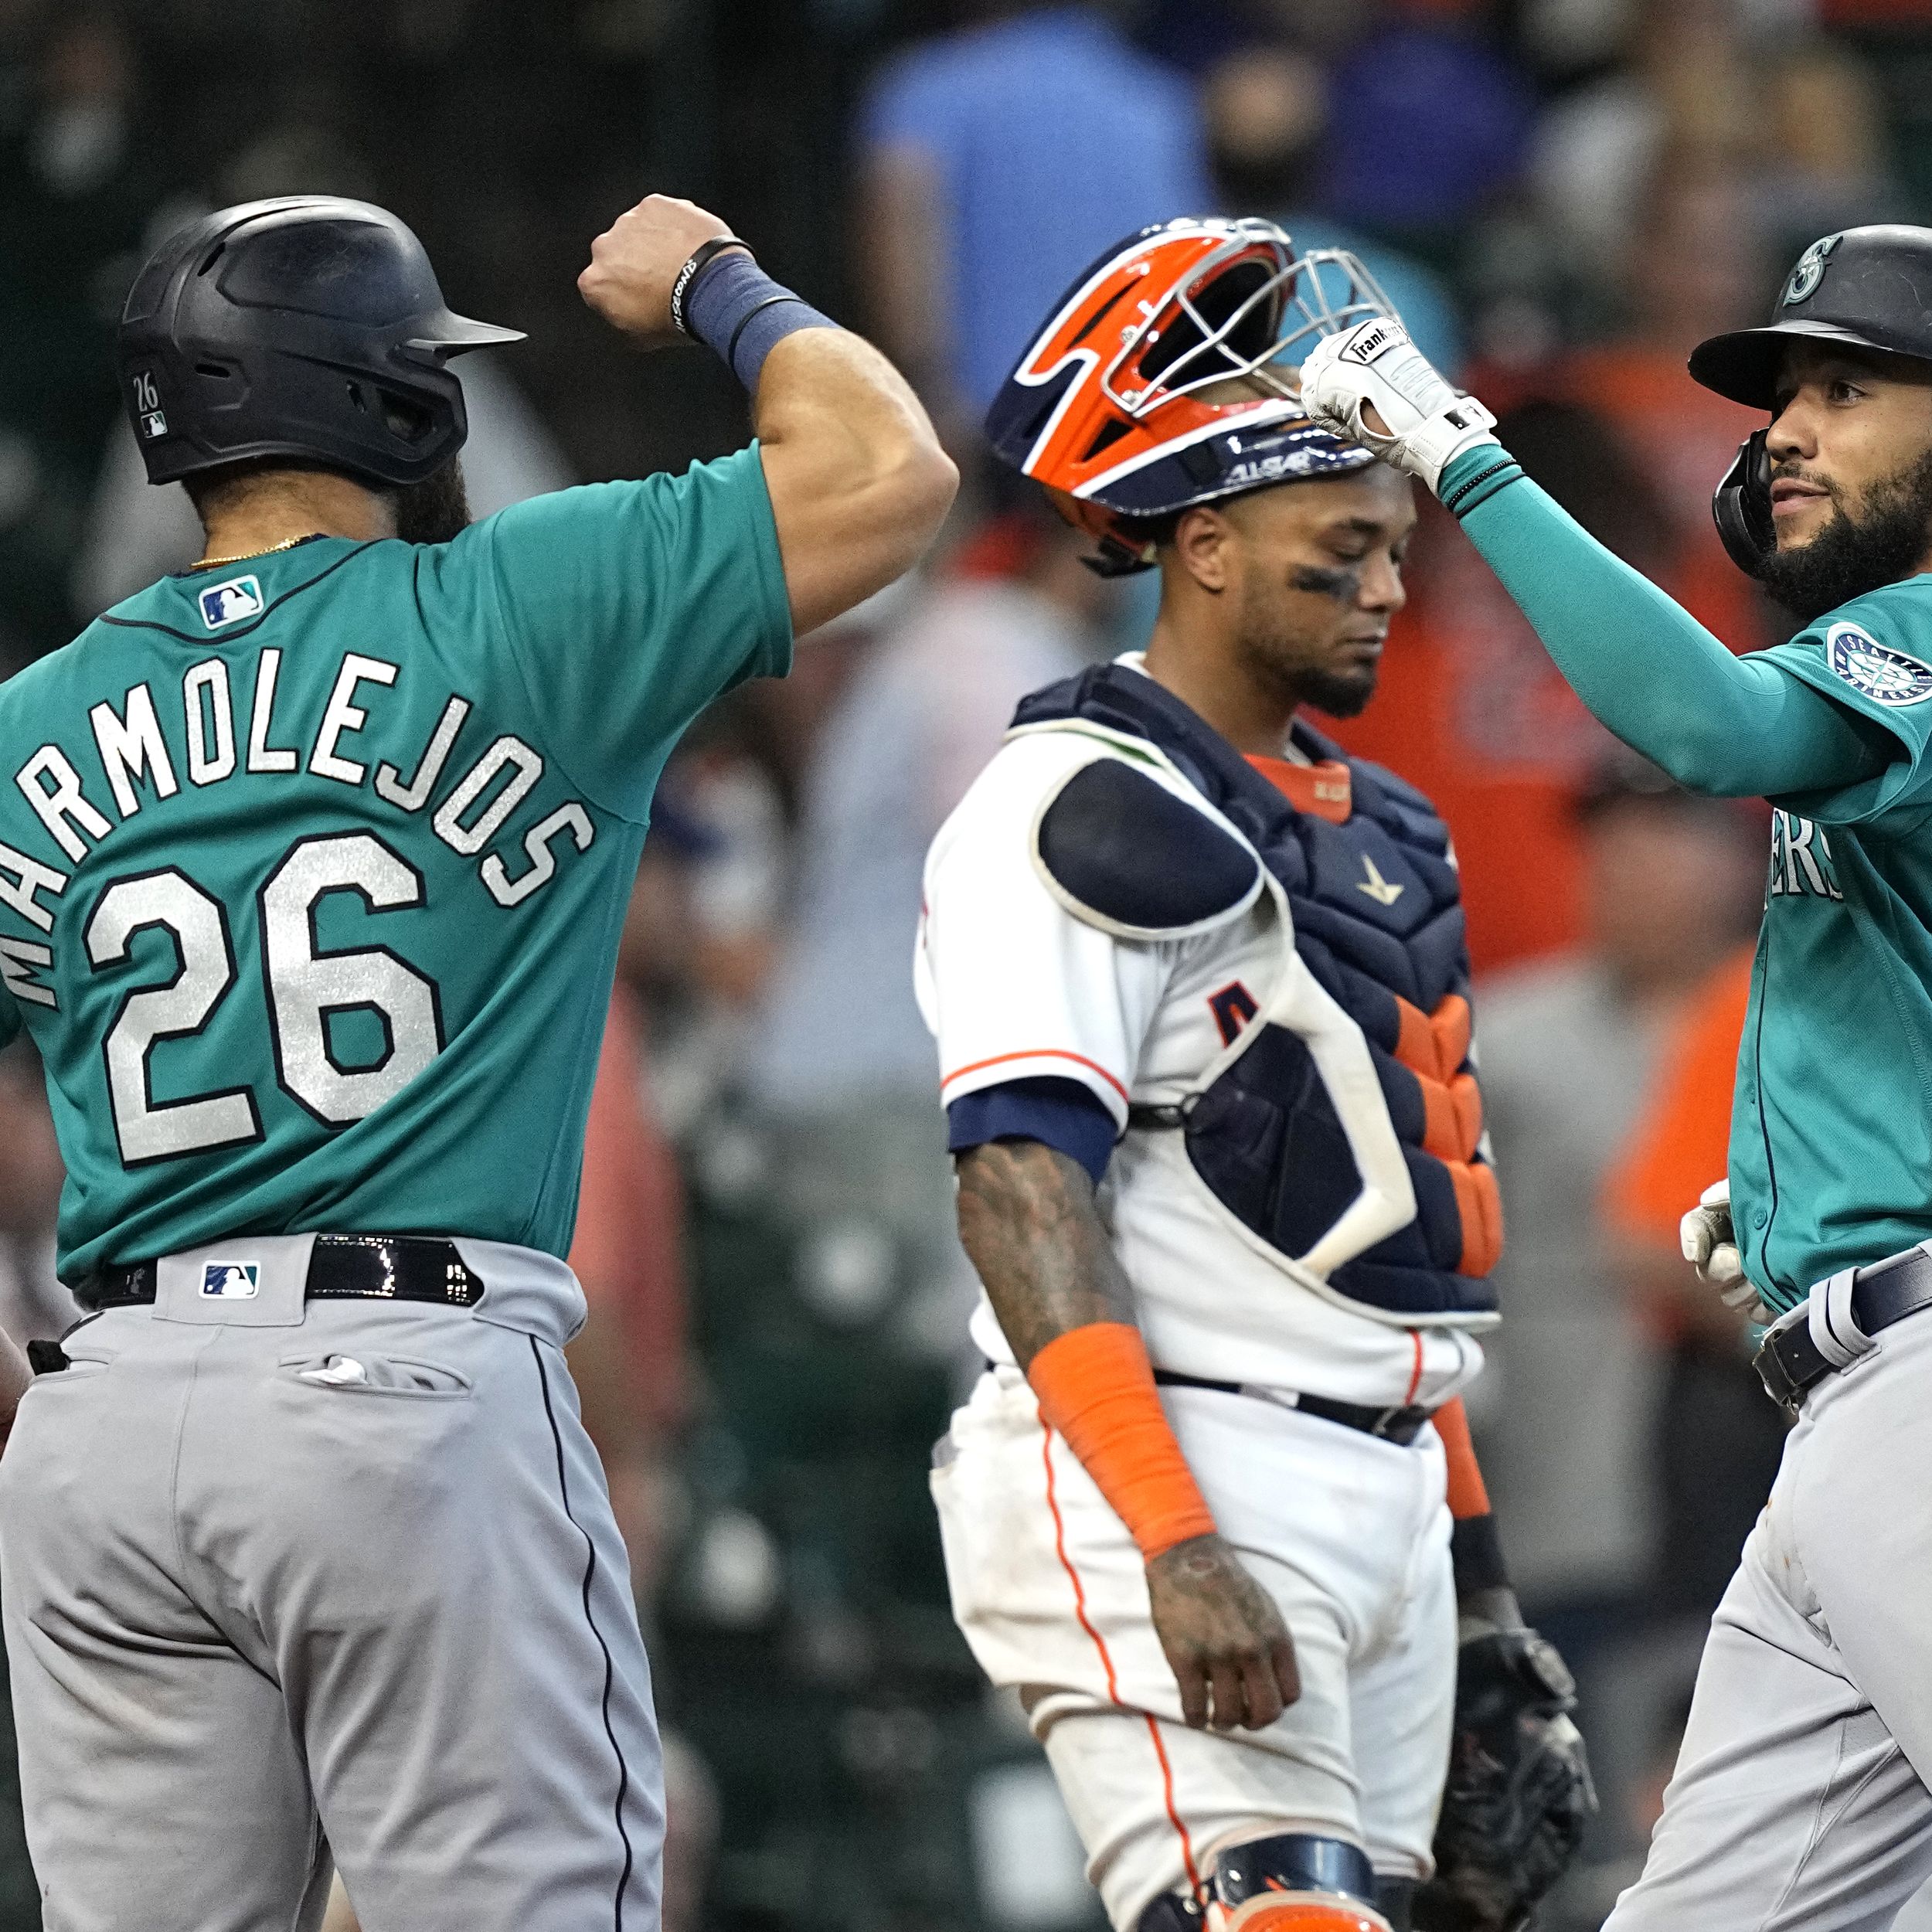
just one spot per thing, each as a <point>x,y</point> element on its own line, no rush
<point>1868,288</point>
<point>310,328</point>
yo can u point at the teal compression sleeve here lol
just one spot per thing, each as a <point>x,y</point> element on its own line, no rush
<point>1733,727</point>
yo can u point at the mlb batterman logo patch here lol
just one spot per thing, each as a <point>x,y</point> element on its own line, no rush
<point>1886,676</point>
<point>226,604</point>
<point>230,1280</point>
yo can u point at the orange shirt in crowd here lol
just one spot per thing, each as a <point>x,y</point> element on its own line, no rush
<point>627,1249</point>
<point>1471,709</point>
<point>1681,1142</point>
<point>1687,435</point>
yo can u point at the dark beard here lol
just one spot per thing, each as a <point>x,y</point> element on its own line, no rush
<point>1847,558</point>
<point>1271,654</point>
<point>1337,694</point>
<point>436,509</point>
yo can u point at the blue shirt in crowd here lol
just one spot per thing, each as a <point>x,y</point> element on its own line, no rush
<point>1052,138</point>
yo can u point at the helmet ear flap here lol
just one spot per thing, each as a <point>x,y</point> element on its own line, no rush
<point>1117,555</point>
<point>1742,506</point>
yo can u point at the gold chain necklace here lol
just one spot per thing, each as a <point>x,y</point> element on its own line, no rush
<point>248,556</point>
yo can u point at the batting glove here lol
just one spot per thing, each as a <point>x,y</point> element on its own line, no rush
<point>1375,366</point>
<point>1710,1246</point>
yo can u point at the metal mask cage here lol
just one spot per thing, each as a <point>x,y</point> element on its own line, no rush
<point>1293,301</point>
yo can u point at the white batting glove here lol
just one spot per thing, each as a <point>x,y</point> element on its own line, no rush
<point>1375,366</point>
<point>1710,1246</point>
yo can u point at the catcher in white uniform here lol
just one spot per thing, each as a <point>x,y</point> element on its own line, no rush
<point>1200,989</point>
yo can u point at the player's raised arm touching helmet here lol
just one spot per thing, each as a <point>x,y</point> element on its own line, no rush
<point>314,857</point>
<point>1826,1217</point>
<point>1199,987</point>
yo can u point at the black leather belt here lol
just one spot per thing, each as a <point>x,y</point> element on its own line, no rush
<point>1401,1424</point>
<point>1790,1362</point>
<point>343,1268</point>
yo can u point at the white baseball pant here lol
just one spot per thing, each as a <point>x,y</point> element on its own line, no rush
<point>1350,1535</point>
<point>1800,1798</point>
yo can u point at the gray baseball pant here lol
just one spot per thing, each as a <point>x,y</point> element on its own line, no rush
<point>262,1607</point>
<point>1799,1798</point>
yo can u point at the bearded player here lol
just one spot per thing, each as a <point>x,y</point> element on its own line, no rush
<point>1201,993</point>
<point>1799,1798</point>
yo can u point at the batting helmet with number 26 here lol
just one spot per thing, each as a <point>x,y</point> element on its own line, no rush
<point>309,328</point>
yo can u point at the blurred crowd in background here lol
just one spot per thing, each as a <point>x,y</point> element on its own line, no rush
<point>1562,196</point>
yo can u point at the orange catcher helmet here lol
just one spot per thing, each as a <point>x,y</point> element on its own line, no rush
<point>1109,408</point>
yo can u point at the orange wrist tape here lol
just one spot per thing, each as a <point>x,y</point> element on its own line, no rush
<point>1096,1386</point>
<point>1468,1494</point>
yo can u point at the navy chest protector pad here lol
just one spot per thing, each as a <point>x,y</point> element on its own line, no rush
<point>1122,851</point>
<point>1310,1115</point>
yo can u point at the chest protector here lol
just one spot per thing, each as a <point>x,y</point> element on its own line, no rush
<point>1340,1130</point>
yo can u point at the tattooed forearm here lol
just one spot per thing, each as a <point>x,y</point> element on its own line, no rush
<point>1027,1218</point>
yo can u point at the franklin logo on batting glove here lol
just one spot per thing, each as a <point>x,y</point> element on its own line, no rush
<point>1372,387</point>
<point>1369,341</point>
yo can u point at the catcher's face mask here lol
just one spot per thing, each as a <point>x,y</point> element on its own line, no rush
<point>1108,408</point>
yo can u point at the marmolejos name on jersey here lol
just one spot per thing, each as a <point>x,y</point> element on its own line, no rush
<point>135,768</point>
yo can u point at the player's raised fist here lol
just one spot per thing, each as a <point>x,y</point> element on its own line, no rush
<point>635,263</point>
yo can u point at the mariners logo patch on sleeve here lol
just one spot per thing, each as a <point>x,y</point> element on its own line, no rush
<point>1886,676</point>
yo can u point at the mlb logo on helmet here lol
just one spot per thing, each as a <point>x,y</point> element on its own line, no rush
<point>229,603</point>
<point>147,410</point>
<point>230,1280</point>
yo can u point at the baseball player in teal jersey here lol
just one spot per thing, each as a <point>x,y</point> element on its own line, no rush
<point>312,862</point>
<point>1800,1797</point>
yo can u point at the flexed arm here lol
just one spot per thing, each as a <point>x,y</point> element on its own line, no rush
<point>1027,1218</point>
<point>858,484</point>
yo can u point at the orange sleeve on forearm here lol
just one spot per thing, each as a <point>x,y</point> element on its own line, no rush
<point>1468,1494</point>
<point>1096,1386</point>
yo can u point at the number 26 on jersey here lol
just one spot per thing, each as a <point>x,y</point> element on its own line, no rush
<point>301,985</point>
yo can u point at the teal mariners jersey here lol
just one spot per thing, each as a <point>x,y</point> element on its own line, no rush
<point>1830,1156</point>
<point>312,866</point>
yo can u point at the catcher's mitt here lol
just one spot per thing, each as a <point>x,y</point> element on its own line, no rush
<point>1518,1790</point>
